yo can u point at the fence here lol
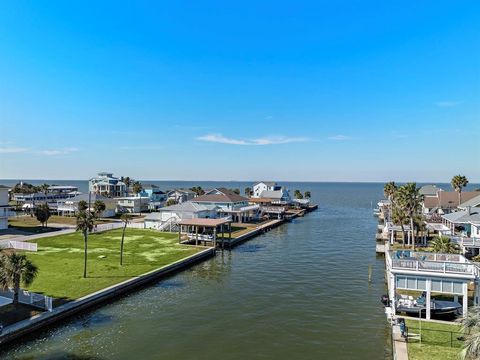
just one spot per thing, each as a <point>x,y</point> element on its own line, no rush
<point>30,298</point>
<point>18,245</point>
<point>453,339</point>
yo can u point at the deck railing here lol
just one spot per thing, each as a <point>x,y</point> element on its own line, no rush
<point>466,241</point>
<point>435,266</point>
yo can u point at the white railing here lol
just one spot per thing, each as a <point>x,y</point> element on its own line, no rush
<point>30,298</point>
<point>466,241</point>
<point>18,245</point>
<point>434,266</point>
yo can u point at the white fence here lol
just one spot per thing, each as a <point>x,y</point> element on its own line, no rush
<point>30,298</point>
<point>136,225</point>
<point>18,245</point>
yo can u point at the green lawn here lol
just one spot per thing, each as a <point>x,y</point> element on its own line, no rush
<point>60,260</point>
<point>439,341</point>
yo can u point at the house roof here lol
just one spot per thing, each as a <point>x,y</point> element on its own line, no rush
<point>447,199</point>
<point>272,194</point>
<point>149,186</point>
<point>475,201</point>
<point>93,197</point>
<point>463,216</point>
<point>185,191</point>
<point>221,195</point>
<point>204,222</point>
<point>429,190</point>
<point>268,183</point>
<point>188,206</point>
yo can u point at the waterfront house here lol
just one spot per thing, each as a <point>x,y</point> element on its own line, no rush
<point>180,195</point>
<point>277,197</point>
<point>153,193</point>
<point>132,204</point>
<point>4,207</point>
<point>444,202</point>
<point>460,221</point>
<point>69,207</point>
<point>167,217</point>
<point>429,190</point>
<point>107,185</point>
<point>262,186</point>
<point>53,194</point>
<point>427,273</point>
<point>229,204</point>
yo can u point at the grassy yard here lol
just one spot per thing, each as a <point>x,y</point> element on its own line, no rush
<point>60,260</point>
<point>439,341</point>
<point>32,225</point>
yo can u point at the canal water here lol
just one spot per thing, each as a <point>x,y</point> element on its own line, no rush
<point>300,291</point>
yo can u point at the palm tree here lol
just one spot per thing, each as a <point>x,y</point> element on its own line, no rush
<point>409,201</point>
<point>248,191</point>
<point>14,270</point>
<point>126,219</point>
<point>137,187</point>
<point>458,183</point>
<point>298,194</point>
<point>471,328</point>
<point>44,189</point>
<point>399,218</point>
<point>82,205</point>
<point>442,244</point>
<point>85,224</point>
<point>99,207</point>
<point>389,189</point>
<point>127,182</point>
<point>307,195</point>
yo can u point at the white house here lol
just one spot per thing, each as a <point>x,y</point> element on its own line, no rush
<point>108,185</point>
<point>4,208</point>
<point>70,206</point>
<point>262,186</point>
<point>427,273</point>
<point>167,217</point>
<point>132,204</point>
<point>277,197</point>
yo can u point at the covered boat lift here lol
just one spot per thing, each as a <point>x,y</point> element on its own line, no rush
<point>206,230</point>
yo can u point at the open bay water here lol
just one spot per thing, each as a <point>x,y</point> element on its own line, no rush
<point>300,291</point>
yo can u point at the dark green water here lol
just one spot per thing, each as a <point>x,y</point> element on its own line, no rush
<point>300,291</point>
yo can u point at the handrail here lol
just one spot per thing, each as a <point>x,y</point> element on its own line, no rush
<point>443,267</point>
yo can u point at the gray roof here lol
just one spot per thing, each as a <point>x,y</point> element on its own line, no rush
<point>272,194</point>
<point>429,190</point>
<point>188,206</point>
<point>472,202</point>
<point>268,183</point>
<point>463,216</point>
<point>93,197</point>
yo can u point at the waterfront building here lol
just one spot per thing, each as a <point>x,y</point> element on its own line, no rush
<point>132,204</point>
<point>229,204</point>
<point>180,195</point>
<point>459,222</point>
<point>444,202</point>
<point>4,207</point>
<point>262,186</point>
<point>277,197</point>
<point>153,193</point>
<point>107,185</point>
<point>166,218</point>
<point>69,207</point>
<point>425,272</point>
<point>429,190</point>
<point>53,194</point>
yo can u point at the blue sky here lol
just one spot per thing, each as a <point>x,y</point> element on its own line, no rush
<point>240,90</point>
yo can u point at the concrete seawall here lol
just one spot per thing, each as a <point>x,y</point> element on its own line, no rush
<point>13,332</point>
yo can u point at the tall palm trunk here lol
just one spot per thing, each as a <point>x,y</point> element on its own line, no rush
<point>85,240</point>
<point>403,234</point>
<point>412,232</point>
<point>16,289</point>
<point>121,245</point>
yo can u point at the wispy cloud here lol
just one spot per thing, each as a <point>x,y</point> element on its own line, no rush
<point>12,150</point>
<point>142,147</point>
<point>448,103</point>
<point>53,152</point>
<point>268,140</point>
<point>340,137</point>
